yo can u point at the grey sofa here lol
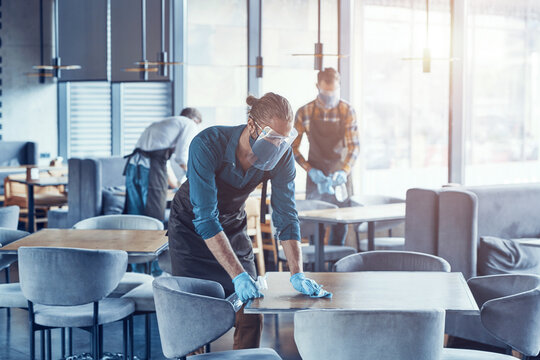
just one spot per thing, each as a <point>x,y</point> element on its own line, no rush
<point>449,222</point>
<point>15,153</point>
<point>454,222</point>
<point>86,180</point>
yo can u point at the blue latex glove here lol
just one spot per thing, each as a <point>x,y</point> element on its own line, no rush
<point>326,187</point>
<point>308,286</point>
<point>339,177</point>
<point>317,176</point>
<point>245,287</point>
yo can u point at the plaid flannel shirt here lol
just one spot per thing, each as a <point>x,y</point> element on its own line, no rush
<point>342,112</point>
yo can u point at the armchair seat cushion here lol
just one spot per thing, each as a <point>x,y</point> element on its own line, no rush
<point>129,282</point>
<point>463,354</point>
<point>247,354</point>
<point>11,296</point>
<point>507,256</point>
<point>143,297</point>
<point>110,310</point>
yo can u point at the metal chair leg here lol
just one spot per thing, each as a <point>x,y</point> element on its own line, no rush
<point>42,338</point>
<point>131,340</point>
<point>70,343</point>
<point>100,339</point>
<point>125,337</point>
<point>7,275</point>
<point>63,341</point>
<point>148,331</point>
<point>32,343</point>
<point>49,348</point>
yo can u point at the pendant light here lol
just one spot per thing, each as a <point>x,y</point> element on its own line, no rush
<point>161,65</point>
<point>54,70</point>
<point>318,54</point>
<point>426,58</point>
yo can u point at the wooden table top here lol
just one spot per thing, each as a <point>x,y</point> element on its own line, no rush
<point>46,181</point>
<point>356,214</point>
<point>135,242</point>
<point>374,290</point>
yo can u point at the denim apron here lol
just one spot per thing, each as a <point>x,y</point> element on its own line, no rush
<point>146,188</point>
<point>189,254</point>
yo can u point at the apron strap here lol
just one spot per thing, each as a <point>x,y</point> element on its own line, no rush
<point>263,196</point>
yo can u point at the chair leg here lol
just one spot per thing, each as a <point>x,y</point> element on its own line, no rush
<point>7,275</point>
<point>358,241</point>
<point>148,332</point>
<point>42,337</point>
<point>32,343</point>
<point>125,336</point>
<point>70,343</point>
<point>207,348</point>
<point>131,340</point>
<point>63,341</point>
<point>49,348</point>
<point>100,339</point>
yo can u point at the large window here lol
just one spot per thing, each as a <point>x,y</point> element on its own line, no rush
<point>89,119</point>
<point>143,104</point>
<point>217,60</point>
<point>403,111</point>
<point>502,107</point>
<point>290,27</point>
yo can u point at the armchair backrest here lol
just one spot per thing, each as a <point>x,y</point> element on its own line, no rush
<point>190,313</point>
<point>382,335</point>
<point>87,178</point>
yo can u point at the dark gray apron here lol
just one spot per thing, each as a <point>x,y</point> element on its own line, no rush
<point>189,254</point>
<point>156,198</point>
<point>327,149</point>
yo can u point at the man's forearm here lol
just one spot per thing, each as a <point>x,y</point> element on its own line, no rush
<point>293,253</point>
<point>221,249</point>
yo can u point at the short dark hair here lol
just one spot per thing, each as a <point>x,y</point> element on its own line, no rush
<point>328,75</point>
<point>192,113</point>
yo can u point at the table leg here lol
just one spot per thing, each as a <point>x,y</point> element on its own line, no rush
<point>31,209</point>
<point>371,235</point>
<point>319,249</point>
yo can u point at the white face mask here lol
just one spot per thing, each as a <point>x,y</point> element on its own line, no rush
<point>329,99</point>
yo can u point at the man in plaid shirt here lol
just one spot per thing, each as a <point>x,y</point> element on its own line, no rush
<point>332,132</point>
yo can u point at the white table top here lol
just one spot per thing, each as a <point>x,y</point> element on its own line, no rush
<point>377,290</point>
<point>356,214</point>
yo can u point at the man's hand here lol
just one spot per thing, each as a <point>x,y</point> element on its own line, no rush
<point>304,285</point>
<point>245,287</point>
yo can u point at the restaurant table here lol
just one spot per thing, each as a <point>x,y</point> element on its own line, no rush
<point>369,290</point>
<point>134,242</point>
<point>350,215</point>
<point>48,181</point>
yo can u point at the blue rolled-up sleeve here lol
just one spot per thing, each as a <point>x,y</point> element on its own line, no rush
<point>284,214</point>
<point>202,162</point>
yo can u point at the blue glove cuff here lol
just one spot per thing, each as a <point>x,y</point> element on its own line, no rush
<point>240,276</point>
<point>299,276</point>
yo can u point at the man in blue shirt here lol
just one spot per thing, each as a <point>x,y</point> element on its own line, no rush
<point>207,225</point>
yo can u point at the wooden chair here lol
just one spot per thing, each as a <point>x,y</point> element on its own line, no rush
<point>253,211</point>
<point>45,197</point>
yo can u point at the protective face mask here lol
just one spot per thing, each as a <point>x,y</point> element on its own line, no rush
<point>269,147</point>
<point>329,99</point>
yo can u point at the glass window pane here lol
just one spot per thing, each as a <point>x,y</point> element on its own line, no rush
<point>403,112</point>
<point>290,27</point>
<point>503,112</point>
<point>217,59</point>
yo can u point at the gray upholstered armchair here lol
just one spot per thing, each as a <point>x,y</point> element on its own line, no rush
<point>87,180</point>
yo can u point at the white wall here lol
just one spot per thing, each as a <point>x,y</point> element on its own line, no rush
<point>28,107</point>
